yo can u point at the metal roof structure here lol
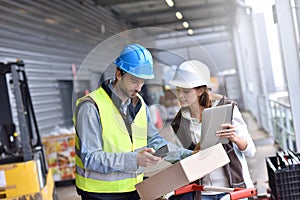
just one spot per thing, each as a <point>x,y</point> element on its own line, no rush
<point>200,16</point>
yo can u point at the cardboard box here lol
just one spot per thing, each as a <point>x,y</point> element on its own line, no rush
<point>183,172</point>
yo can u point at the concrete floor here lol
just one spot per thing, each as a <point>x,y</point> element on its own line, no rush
<point>257,165</point>
<point>67,191</point>
<point>264,148</point>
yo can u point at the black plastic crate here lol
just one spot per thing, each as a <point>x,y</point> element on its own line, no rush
<point>284,183</point>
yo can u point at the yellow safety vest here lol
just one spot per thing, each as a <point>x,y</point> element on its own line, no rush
<point>115,139</point>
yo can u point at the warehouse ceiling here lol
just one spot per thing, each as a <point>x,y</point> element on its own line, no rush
<point>201,16</point>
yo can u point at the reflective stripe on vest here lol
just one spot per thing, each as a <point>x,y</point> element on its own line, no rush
<point>115,139</point>
<point>105,176</point>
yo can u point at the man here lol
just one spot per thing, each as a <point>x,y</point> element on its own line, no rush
<point>114,135</point>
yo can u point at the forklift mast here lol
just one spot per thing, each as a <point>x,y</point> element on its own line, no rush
<point>26,145</point>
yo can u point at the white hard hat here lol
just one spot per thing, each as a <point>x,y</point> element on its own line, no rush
<point>191,74</point>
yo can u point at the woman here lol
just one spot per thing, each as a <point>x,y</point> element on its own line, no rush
<point>191,80</point>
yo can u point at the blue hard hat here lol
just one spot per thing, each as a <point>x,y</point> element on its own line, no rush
<point>137,61</point>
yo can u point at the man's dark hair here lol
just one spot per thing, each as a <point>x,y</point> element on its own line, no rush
<point>121,71</point>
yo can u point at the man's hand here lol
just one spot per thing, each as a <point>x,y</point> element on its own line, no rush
<point>146,159</point>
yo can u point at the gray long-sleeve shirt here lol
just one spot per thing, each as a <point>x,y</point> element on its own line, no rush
<point>89,130</point>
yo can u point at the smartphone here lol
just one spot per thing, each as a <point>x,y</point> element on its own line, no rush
<point>162,151</point>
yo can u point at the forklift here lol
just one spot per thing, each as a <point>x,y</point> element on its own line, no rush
<point>24,173</point>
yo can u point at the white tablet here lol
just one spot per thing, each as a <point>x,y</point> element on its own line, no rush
<point>212,118</point>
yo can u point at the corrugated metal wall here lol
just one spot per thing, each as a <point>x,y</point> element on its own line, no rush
<point>50,36</point>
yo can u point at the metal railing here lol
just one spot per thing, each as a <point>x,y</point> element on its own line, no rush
<point>282,124</point>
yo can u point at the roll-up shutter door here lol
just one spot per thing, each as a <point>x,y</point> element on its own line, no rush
<point>50,37</point>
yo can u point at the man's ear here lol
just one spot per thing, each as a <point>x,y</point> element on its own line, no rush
<point>118,75</point>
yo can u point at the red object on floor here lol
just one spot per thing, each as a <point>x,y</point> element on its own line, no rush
<point>235,193</point>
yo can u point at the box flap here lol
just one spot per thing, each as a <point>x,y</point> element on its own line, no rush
<point>203,162</point>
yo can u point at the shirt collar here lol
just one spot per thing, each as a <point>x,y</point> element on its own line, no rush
<point>187,115</point>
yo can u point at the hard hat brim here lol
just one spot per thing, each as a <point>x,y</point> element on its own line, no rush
<point>184,84</point>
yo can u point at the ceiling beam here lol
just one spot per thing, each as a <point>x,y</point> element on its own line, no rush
<point>193,40</point>
<point>212,21</point>
<point>206,29</point>
<point>171,16</point>
<point>115,2</point>
<point>198,8</point>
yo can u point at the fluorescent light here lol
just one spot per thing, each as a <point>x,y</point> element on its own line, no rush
<point>170,3</point>
<point>185,24</point>
<point>190,31</point>
<point>178,15</point>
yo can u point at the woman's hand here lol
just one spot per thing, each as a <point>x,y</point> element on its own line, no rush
<point>197,147</point>
<point>228,131</point>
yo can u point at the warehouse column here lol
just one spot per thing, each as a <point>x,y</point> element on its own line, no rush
<point>291,60</point>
